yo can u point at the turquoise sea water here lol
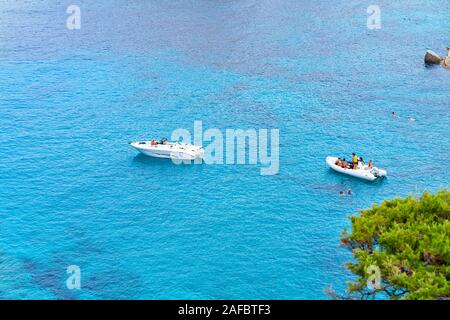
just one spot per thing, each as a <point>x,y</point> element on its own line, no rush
<point>72,192</point>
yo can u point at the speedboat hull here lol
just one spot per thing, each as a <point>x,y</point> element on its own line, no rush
<point>363,171</point>
<point>169,150</point>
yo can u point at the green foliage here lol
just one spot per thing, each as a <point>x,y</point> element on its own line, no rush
<point>409,241</point>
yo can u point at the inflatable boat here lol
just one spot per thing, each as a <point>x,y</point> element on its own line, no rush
<point>363,171</point>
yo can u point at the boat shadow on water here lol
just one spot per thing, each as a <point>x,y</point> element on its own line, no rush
<point>141,159</point>
<point>346,178</point>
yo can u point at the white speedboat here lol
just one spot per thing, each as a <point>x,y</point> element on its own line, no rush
<point>167,149</point>
<point>363,171</point>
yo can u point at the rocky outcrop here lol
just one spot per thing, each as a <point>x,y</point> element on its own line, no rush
<point>432,57</point>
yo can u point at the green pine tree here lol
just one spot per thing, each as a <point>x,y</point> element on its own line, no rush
<point>401,249</point>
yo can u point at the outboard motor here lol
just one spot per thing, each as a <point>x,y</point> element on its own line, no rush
<point>375,172</point>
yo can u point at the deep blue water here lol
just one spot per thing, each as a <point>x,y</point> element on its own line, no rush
<point>72,192</point>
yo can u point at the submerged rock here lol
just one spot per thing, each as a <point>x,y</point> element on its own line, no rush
<point>432,57</point>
